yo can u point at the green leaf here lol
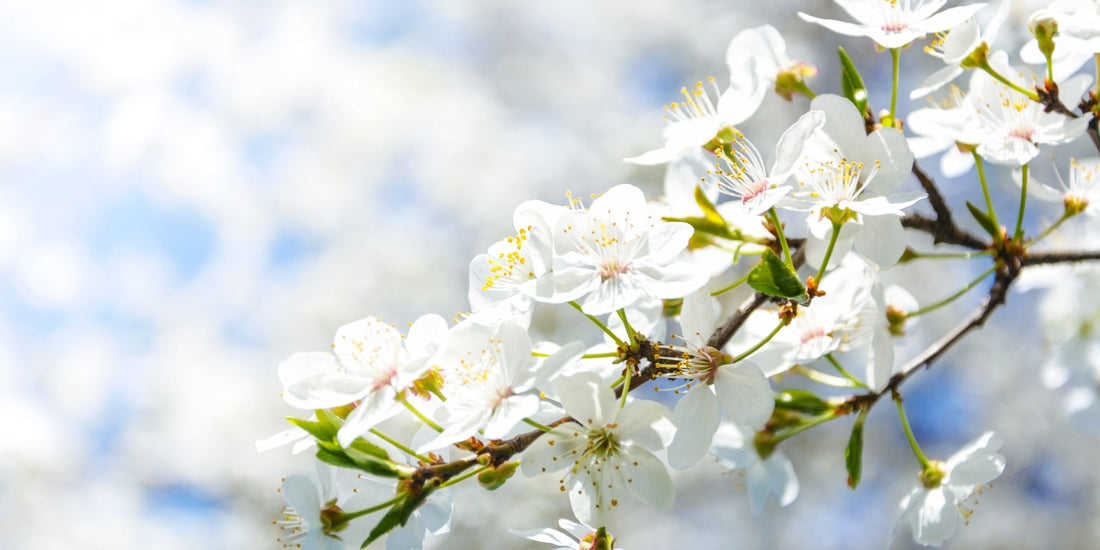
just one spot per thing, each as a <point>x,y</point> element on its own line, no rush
<point>710,212</point>
<point>775,278</point>
<point>323,431</point>
<point>335,458</point>
<point>370,458</point>
<point>853,453</point>
<point>851,83</point>
<point>984,220</point>
<point>398,515</point>
<point>493,478</point>
<point>802,401</point>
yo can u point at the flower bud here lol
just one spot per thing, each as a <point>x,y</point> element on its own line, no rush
<point>1043,26</point>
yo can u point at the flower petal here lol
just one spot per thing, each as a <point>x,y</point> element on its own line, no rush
<point>647,478</point>
<point>745,394</point>
<point>696,416</point>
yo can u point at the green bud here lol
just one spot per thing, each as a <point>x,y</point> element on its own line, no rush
<point>1043,26</point>
<point>493,478</point>
<point>802,401</point>
<point>977,58</point>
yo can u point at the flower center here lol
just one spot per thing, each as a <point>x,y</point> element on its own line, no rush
<point>696,104</point>
<point>612,268</point>
<point>602,442</point>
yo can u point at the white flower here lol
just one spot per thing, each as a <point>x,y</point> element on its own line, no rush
<point>606,452</point>
<point>852,175</point>
<point>1012,126</point>
<point>942,128</point>
<point>955,45</point>
<point>503,281</point>
<point>895,23</point>
<point>765,476</point>
<point>741,389</point>
<point>1081,194</point>
<point>617,253</point>
<point>301,521</point>
<point>933,507</point>
<point>708,252</point>
<point>698,120</point>
<point>574,536</point>
<point>371,362</point>
<point>490,380</point>
<point>766,46</point>
<point>744,175</point>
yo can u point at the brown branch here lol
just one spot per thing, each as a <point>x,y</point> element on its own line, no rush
<point>1042,258</point>
<point>944,233</point>
<point>723,333</point>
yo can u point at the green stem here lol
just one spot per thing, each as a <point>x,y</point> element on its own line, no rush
<point>985,191</point>
<point>630,332</point>
<point>1097,80</point>
<point>419,414</point>
<point>909,435</point>
<point>840,368</point>
<point>828,252</point>
<point>400,446</point>
<point>895,56</point>
<point>542,427</point>
<point>761,343</point>
<point>1031,94</point>
<point>782,240</point>
<point>779,437</point>
<point>626,388</point>
<point>1049,230</point>
<point>804,89</point>
<point>348,516</point>
<point>600,355</point>
<point>822,378</point>
<point>1019,233</point>
<point>603,327</point>
<point>732,285</point>
<point>954,296</point>
<point>459,479</point>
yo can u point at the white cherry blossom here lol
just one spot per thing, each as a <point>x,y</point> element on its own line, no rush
<point>895,23</point>
<point>853,175</point>
<point>490,379</point>
<point>955,45</point>
<point>572,536</point>
<point>370,362</point>
<point>764,476</point>
<point>743,175</point>
<point>616,253</point>
<point>715,384</point>
<point>933,508</point>
<point>606,451</point>
<point>766,46</point>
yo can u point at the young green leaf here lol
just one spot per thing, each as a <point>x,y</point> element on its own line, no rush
<point>802,401</point>
<point>775,278</point>
<point>851,83</point>
<point>853,453</point>
<point>983,220</point>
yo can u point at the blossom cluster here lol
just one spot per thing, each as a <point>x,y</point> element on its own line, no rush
<point>740,277</point>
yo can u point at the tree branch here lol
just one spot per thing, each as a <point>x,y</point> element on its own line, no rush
<point>1042,258</point>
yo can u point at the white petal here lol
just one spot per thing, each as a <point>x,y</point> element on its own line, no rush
<point>426,335</point>
<point>301,494</point>
<point>697,416</point>
<point>315,381</point>
<point>547,535</point>
<point>882,240</point>
<point>644,423</point>
<point>647,478</point>
<point>949,18</point>
<point>887,149</point>
<point>842,27</point>
<point>791,144</point>
<point>554,450</point>
<point>934,519</point>
<point>745,394</point>
<point>509,413</point>
<point>843,123</point>
<point>936,81</point>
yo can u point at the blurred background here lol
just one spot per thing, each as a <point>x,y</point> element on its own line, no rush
<point>190,191</point>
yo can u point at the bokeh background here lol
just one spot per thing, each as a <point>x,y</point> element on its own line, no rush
<point>190,191</point>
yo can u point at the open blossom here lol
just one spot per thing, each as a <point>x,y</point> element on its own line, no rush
<point>774,68</point>
<point>1080,194</point>
<point>698,119</point>
<point>616,253</point>
<point>504,280</point>
<point>850,179</point>
<point>606,452</point>
<point>895,23</point>
<point>933,507</point>
<point>301,520</point>
<point>490,379</point>
<point>573,536</point>
<point>715,384</point>
<point>1011,126</point>
<point>942,128</point>
<point>370,362</point>
<point>764,476</point>
<point>955,45</point>
<point>742,174</point>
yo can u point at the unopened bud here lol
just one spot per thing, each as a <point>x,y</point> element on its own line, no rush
<point>792,80</point>
<point>1043,26</point>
